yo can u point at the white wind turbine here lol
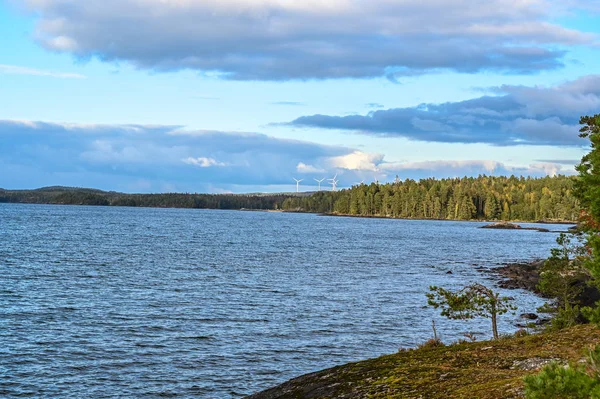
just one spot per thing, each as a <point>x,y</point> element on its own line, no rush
<point>298,184</point>
<point>320,181</point>
<point>334,183</point>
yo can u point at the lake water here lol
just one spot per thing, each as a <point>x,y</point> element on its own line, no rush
<point>126,302</point>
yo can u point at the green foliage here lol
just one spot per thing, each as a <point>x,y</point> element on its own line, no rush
<point>592,314</point>
<point>562,278</point>
<point>577,381</point>
<point>588,184</point>
<point>587,190</point>
<point>475,300</point>
<point>484,197</point>
<point>82,196</point>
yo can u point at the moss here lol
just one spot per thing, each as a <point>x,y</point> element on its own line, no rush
<point>485,370</point>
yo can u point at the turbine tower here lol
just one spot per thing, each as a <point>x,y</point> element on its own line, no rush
<point>298,184</point>
<point>319,181</point>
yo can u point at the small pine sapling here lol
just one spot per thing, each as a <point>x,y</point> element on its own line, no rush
<point>475,300</point>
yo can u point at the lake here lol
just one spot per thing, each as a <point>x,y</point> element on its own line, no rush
<point>135,302</point>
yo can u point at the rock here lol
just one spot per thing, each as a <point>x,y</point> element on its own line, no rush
<point>519,275</point>
<point>529,316</point>
<point>512,226</point>
<point>449,272</point>
<point>534,363</point>
<point>502,225</point>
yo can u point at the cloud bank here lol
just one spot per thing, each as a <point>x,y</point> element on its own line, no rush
<point>141,158</point>
<point>310,39</point>
<point>516,115</point>
<point>163,157</point>
<point>425,169</point>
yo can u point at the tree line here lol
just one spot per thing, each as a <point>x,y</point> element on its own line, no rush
<point>467,198</point>
<point>82,196</point>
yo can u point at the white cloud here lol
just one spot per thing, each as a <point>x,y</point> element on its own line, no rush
<point>551,169</point>
<point>459,168</point>
<point>203,162</point>
<point>357,160</point>
<point>19,70</point>
<point>487,166</point>
<point>304,168</point>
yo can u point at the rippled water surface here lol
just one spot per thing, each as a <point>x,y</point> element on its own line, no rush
<point>126,302</point>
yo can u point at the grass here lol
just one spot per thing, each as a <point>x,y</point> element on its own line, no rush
<point>469,370</point>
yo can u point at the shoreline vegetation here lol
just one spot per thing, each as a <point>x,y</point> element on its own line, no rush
<point>484,198</point>
<point>492,222</point>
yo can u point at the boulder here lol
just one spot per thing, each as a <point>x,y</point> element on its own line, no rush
<point>529,316</point>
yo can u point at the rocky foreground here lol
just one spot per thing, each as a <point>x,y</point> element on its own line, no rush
<point>484,370</point>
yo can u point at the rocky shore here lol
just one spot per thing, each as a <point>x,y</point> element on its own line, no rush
<point>484,370</point>
<point>519,275</point>
<point>527,276</point>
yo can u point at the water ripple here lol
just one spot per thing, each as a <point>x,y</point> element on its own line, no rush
<point>156,303</point>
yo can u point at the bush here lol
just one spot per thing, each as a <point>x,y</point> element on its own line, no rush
<point>577,381</point>
<point>431,343</point>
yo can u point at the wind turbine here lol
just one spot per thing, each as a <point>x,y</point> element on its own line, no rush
<point>360,183</point>
<point>298,184</point>
<point>319,181</point>
<point>333,183</point>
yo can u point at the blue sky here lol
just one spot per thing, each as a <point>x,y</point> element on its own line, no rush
<point>243,96</point>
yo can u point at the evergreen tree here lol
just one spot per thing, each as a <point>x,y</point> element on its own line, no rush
<point>475,300</point>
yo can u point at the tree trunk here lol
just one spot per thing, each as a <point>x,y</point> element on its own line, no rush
<point>494,324</point>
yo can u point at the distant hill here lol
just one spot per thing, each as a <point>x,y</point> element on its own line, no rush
<point>68,189</point>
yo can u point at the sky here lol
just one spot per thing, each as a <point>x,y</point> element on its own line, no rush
<point>219,96</point>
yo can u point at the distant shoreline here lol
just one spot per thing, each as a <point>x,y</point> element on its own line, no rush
<point>254,202</point>
<point>565,222</point>
<point>562,222</point>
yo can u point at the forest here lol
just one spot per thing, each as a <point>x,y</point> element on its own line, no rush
<point>467,198</point>
<point>84,196</point>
